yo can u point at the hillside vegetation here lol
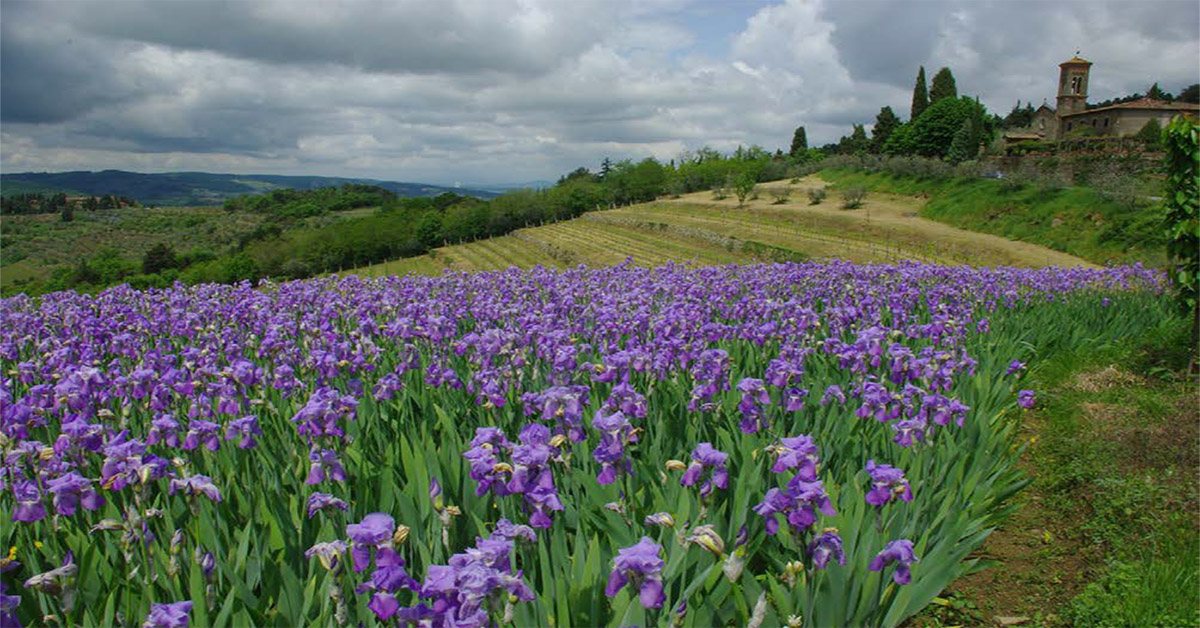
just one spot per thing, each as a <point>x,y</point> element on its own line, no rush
<point>33,246</point>
<point>177,189</point>
<point>1080,221</point>
<point>700,229</point>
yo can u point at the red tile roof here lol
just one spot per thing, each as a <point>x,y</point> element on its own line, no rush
<point>1145,103</point>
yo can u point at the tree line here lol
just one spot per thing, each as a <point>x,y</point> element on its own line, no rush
<point>60,203</point>
<point>290,203</point>
<point>287,245</point>
<point>941,125</point>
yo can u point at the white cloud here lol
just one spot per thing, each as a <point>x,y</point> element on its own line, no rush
<point>504,90</point>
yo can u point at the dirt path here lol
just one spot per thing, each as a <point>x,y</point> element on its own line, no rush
<point>1128,444</point>
<point>895,216</point>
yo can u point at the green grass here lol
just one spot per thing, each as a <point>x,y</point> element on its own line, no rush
<point>1075,220</point>
<point>1118,454</point>
<point>32,246</point>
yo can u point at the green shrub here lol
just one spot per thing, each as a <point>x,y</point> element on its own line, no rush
<point>816,195</point>
<point>853,196</point>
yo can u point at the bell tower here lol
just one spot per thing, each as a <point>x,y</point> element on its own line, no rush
<point>1072,85</point>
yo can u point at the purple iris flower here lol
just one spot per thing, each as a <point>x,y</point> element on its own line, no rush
<point>793,399</point>
<point>328,553</point>
<point>640,565</point>
<point>754,398</point>
<point>799,453</point>
<point>202,432</point>
<point>126,462</point>
<point>72,490</point>
<point>1016,366</point>
<point>164,429</point>
<point>8,608</point>
<point>243,429</point>
<point>509,531</point>
<point>322,461</point>
<point>910,431</point>
<point>387,387</point>
<point>388,578</point>
<point>826,547</point>
<point>488,442</point>
<point>887,483</point>
<point>615,434</point>
<point>324,501</point>
<point>832,393</point>
<point>196,485</point>
<point>174,615</point>
<point>462,592</point>
<point>626,400</point>
<point>321,415</point>
<point>900,552</point>
<point>1025,399</point>
<point>373,532</point>
<point>532,475</point>
<point>29,502</point>
<point>561,404</point>
<point>799,503</point>
<point>704,456</point>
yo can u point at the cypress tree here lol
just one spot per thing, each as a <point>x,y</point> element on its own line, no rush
<point>942,86</point>
<point>885,123</point>
<point>920,99</point>
<point>965,143</point>
<point>799,143</point>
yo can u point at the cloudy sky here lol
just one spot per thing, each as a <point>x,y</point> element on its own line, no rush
<point>492,91</point>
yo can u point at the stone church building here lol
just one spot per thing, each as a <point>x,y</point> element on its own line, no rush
<point>1072,118</point>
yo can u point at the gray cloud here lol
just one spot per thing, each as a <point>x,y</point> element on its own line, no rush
<point>501,90</point>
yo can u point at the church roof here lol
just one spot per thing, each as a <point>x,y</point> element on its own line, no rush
<point>1076,61</point>
<point>1143,104</point>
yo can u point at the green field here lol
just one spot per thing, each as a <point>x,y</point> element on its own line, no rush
<point>696,229</point>
<point>33,245</point>
<point>1078,220</point>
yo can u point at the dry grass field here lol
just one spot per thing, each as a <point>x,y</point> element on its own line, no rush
<point>698,229</point>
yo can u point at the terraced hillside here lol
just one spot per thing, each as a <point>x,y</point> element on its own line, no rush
<point>697,229</point>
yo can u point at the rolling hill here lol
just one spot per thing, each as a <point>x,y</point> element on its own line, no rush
<point>180,189</point>
<point>696,228</point>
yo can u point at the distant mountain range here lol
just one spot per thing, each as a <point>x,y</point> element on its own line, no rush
<point>500,188</point>
<point>196,188</point>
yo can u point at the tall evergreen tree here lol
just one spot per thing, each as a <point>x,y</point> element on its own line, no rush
<point>885,123</point>
<point>920,99</point>
<point>965,144</point>
<point>1191,93</point>
<point>856,142</point>
<point>1156,93</point>
<point>799,143</point>
<point>942,86</point>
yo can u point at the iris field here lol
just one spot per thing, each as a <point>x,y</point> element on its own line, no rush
<point>765,445</point>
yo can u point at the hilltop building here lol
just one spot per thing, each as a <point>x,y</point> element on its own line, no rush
<point>1072,117</point>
